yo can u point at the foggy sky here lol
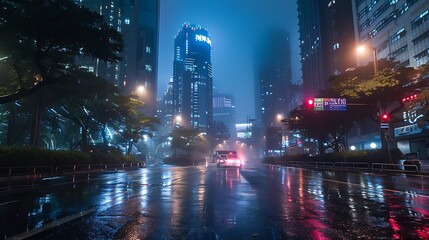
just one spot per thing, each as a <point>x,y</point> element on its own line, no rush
<point>234,27</point>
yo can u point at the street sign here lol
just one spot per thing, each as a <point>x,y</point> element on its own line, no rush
<point>330,104</point>
<point>384,125</point>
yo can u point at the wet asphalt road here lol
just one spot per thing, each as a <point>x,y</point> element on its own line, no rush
<point>205,202</point>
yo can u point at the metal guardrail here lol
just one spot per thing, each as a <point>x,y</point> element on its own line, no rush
<point>395,167</point>
<point>405,168</point>
<point>65,169</point>
<point>302,163</point>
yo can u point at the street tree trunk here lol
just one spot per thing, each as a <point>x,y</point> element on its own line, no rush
<point>11,121</point>
<point>35,122</point>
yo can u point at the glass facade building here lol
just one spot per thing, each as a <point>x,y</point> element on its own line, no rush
<point>192,77</point>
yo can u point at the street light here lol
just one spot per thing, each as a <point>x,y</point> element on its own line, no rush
<point>141,89</point>
<point>177,121</point>
<point>280,117</point>
<point>361,50</point>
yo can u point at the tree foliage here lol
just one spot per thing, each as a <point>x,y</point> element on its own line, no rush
<point>40,39</point>
<point>366,95</point>
<point>188,140</point>
<point>136,124</point>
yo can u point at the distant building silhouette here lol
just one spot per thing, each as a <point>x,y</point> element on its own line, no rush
<point>166,110</point>
<point>192,77</point>
<point>224,111</point>
<point>138,22</point>
<point>273,85</point>
<point>273,88</point>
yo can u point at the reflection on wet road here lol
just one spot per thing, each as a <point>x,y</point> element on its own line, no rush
<point>199,202</point>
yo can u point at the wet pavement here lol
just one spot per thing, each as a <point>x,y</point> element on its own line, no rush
<point>205,202</point>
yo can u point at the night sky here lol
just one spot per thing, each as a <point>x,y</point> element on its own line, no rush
<point>234,27</point>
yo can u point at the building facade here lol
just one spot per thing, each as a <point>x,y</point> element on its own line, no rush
<point>138,22</point>
<point>192,77</point>
<point>397,29</point>
<point>273,83</point>
<point>165,111</point>
<point>274,91</point>
<point>224,111</point>
<point>326,42</point>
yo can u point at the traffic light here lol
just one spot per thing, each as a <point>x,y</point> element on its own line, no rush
<point>385,117</point>
<point>309,104</point>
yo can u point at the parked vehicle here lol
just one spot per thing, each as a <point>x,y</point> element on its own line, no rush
<point>412,162</point>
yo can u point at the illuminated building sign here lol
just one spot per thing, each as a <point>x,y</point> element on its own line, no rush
<point>203,38</point>
<point>330,104</point>
<point>408,130</point>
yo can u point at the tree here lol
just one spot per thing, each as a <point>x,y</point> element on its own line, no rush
<point>218,133</point>
<point>136,123</point>
<point>40,39</point>
<point>328,128</point>
<point>364,93</point>
<point>90,102</point>
<point>380,92</point>
<point>188,140</point>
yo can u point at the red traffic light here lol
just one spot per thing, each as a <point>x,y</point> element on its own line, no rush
<point>309,104</point>
<point>385,117</point>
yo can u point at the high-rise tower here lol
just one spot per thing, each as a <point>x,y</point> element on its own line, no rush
<point>138,22</point>
<point>326,42</point>
<point>273,86</point>
<point>192,77</point>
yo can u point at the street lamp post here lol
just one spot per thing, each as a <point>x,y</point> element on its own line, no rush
<point>177,121</point>
<point>280,117</point>
<point>383,132</point>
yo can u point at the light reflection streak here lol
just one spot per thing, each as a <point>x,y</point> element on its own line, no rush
<point>144,189</point>
<point>39,210</point>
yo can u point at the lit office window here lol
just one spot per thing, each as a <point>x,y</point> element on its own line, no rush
<point>420,19</point>
<point>336,46</point>
<point>398,35</point>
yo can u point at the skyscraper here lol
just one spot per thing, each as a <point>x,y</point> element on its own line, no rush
<point>224,111</point>
<point>166,111</point>
<point>273,89</point>
<point>141,19</point>
<point>138,22</point>
<point>273,85</point>
<point>326,41</point>
<point>192,77</point>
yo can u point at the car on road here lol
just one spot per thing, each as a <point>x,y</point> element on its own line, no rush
<point>229,160</point>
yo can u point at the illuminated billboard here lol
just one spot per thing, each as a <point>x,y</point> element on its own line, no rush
<point>330,104</point>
